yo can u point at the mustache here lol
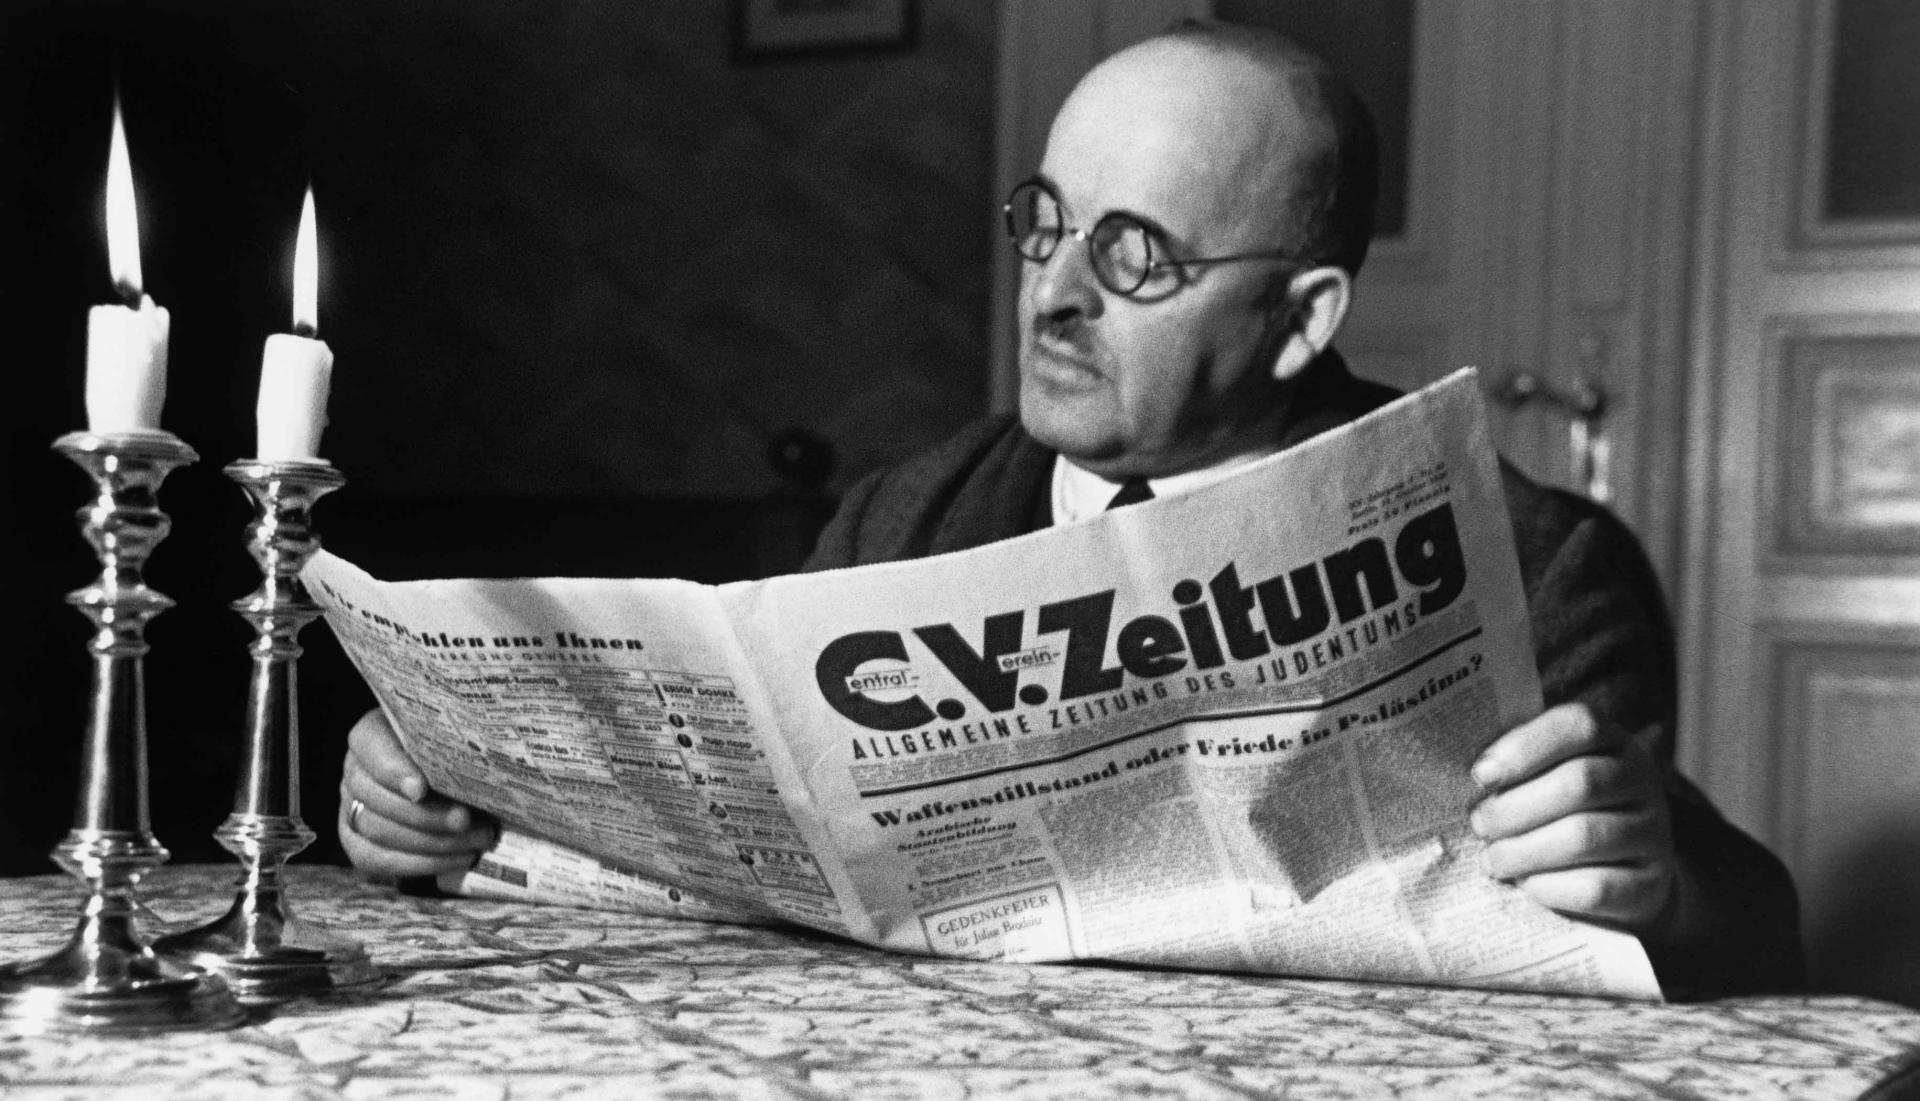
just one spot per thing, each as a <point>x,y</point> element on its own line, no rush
<point>1068,336</point>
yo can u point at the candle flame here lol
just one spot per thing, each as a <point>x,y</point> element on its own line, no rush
<point>123,221</point>
<point>306,272</point>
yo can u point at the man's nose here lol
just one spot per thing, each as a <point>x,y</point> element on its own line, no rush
<point>1064,284</point>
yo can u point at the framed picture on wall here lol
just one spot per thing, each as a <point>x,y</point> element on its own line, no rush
<point>789,28</point>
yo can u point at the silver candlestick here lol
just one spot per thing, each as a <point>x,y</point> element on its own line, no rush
<point>264,951</point>
<point>108,979</point>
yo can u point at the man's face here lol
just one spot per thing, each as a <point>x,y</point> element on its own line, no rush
<point>1164,383</point>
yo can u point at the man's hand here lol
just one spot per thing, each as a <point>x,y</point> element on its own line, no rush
<point>401,828</point>
<point>1576,816</point>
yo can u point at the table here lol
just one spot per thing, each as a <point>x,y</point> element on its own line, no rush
<point>505,1000</point>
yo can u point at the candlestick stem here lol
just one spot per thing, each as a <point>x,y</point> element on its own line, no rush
<point>266,953</point>
<point>107,978</point>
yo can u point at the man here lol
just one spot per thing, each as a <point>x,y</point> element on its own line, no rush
<point>1191,241</point>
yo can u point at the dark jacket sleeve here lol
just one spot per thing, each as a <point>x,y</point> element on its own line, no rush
<point>1602,637</point>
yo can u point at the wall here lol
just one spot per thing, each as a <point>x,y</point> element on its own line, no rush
<point>581,268</point>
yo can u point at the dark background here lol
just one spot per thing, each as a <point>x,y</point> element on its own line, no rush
<point>583,271</point>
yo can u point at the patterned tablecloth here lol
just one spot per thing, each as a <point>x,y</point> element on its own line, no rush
<point>493,1000</point>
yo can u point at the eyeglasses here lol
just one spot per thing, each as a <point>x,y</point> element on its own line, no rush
<point>1126,251</point>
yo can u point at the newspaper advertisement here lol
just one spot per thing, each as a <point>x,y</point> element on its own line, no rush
<point>1230,729</point>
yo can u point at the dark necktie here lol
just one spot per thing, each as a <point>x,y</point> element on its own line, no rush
<point>1132,492</point>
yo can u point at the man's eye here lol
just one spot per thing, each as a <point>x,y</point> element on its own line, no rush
<point>1129,251</point>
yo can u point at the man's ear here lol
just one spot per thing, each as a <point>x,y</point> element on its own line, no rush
<point>1318,300</point>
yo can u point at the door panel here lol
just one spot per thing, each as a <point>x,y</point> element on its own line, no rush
<point>1803,612</point>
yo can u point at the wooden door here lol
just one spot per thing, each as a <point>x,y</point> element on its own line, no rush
<point>1545,239</point>
<point>1802,615</point>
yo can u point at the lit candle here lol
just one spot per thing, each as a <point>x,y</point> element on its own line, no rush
<point>297,369</point>
<point>126,344</point>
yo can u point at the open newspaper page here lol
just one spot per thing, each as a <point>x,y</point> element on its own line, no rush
<point>613,726</point>
<point>1230,729</point>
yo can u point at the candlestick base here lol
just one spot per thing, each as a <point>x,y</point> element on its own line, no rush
<point>265,953</point>
<point>107,979</point>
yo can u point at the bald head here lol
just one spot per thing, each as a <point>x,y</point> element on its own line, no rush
<point>1288,130</point>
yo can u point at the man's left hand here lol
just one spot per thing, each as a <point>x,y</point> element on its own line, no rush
<point>1576,816</point>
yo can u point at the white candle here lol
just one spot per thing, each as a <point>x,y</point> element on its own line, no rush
<point>126,345</point>
<point>296,370</point>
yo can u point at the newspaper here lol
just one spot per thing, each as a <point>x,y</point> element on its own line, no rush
<point>1230,729</point>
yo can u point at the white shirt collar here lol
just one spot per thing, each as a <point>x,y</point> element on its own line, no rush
<point>1079,494</point>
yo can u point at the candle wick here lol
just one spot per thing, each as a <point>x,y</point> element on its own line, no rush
<point>128,293</point>
<point>305,329</point>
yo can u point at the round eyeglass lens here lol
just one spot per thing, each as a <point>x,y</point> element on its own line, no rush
<point>1122,253</point>
<point>1033,221</point>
